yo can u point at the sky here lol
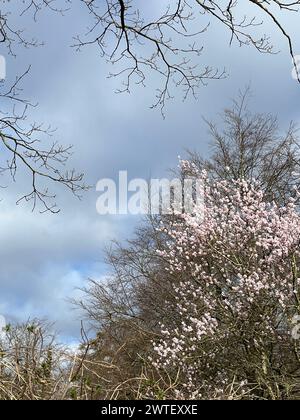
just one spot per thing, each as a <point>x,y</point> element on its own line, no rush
<point>46,258</point>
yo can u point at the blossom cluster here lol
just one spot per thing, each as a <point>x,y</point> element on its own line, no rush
<point>236,280</point>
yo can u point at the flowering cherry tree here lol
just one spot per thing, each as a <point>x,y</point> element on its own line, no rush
<point>237,289</point>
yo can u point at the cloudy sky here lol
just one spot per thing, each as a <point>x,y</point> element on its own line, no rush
<point>44,258</point>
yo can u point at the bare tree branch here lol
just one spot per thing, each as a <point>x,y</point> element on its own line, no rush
<point>21,144</point>
<point>9,35</point>
<point>168,45</point>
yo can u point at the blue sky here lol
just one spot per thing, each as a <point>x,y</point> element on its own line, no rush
<point>45,257</point>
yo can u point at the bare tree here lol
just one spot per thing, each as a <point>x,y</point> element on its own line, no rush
<point>31,362</point>
<point>252,146</point>
<point>138,39</point>
<point>163,39</point>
